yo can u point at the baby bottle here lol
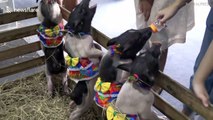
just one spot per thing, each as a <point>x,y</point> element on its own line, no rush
<point>156,26</point>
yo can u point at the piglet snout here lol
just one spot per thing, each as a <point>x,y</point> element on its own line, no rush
<point>146,33</point>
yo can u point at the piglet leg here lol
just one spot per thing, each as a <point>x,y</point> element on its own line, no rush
<point>49,85</point>
<point>65,85</point>
<point>87,101</point>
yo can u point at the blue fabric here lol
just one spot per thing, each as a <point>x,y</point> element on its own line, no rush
<point>208,37</point>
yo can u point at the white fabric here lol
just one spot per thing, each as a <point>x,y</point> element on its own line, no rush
<point>176,29</point>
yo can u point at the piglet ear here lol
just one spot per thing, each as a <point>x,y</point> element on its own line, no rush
<point>126,67</point>
<point>92,11</point>
<point>84,4</point>
<point>111,42</point>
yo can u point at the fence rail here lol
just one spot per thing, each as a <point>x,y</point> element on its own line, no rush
<point>21,50</point>
<point>14,34</point>
<point>21,67</point>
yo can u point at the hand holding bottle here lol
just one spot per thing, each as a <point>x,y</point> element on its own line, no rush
<point>157,26</point>
<point>168,12</point>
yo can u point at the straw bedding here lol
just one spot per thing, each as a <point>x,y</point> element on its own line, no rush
<point>27,99</point>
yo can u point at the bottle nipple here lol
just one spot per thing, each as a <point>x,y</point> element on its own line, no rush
<point>156,26</point>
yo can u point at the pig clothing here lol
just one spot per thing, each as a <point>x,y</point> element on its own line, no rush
<point>208,37</point>
<point>114,50</point>
<point>81,69</point>
<point>113,113</point>
<point>176,29</point>
<point>106,92</point>
<point>51,37</point>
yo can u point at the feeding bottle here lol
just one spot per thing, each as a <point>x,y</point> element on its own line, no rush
<point>156,26</point>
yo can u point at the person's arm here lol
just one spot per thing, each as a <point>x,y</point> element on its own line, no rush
<point>203,71</point>
<point>145,8</point>
<point>168,12</point>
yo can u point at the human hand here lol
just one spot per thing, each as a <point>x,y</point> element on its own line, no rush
<point>145,8</point>
<point>167,13</point>
<point>200,92</point>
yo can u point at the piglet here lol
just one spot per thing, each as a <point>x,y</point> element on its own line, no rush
<point>50,35</point>
<point>135,98</point>
<point>84,57</point>
<point>131,41</point>
<point>121,50</point>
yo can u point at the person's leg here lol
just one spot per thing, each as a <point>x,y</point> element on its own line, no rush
<point>208,36</point>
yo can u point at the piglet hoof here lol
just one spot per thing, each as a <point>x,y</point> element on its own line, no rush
<point>66,92</point>
<point>72,104</point>
<point>74,116</point>
<point>50,93</point>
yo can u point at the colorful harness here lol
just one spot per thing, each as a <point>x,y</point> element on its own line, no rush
<point>106,92</point>
<point>81,69</point>
<point>50,37</point>
<point>71,31</point>
<point>114,114</point>
<point>140,82</point>
<point>114,49</point>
